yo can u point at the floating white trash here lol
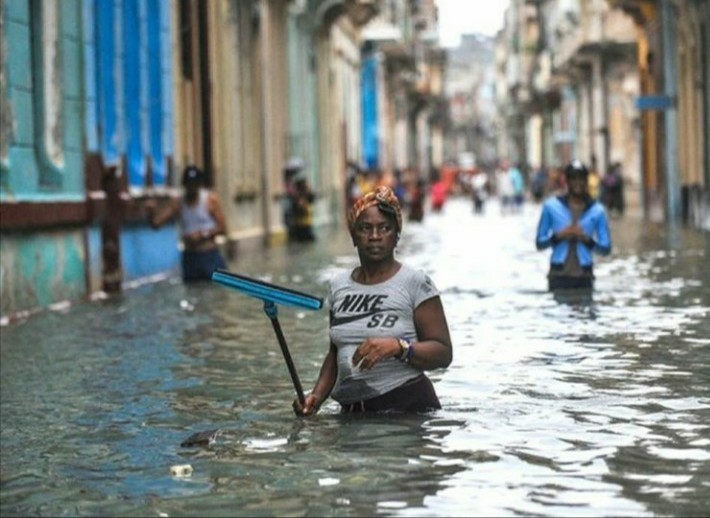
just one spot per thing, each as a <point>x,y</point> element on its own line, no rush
<point>181,470</point>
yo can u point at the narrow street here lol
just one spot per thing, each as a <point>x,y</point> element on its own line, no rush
<point>551,407</point>
<point>144,144</point>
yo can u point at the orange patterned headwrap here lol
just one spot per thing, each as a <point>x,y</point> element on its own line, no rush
<point>383,197</point>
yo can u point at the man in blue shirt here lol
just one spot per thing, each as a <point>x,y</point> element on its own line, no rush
<point>575,226</point>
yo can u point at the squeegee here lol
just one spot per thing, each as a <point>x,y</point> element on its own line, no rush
<point>272,295</point>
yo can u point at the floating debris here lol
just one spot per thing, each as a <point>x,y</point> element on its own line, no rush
<point>206,438</point>
<point>181,470</point>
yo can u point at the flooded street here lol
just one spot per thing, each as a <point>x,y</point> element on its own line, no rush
<point>551,407</point>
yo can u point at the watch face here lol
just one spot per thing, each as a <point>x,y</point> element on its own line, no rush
<point>405,346</point>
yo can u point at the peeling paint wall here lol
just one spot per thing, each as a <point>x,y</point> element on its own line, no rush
<point>41,154</point>
<point>39,269</point>
<point>42,94</point>
<point>6,116</point>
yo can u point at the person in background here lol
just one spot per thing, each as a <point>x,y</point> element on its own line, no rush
<point>516,178</point>
<point>439,193</point>
<point>574,226</point>
<point>302,207</point>
<point>613,184</point>
<point>201,221</point>
<point>594,180</point>
<point>538,185</point>
<point>417,197</point>
<point>505,188</point>
<point>556,182</point>
<point>368,180</point>
<point>479,189</point>
<point>387,323</point>
<point>292,170</point>
<point>399,188</point>
<point>352,189</point>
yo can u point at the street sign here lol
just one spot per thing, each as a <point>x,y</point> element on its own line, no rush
<point>654,102</point>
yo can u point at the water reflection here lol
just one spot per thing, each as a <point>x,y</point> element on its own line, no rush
<point>552,407</point>
<point>581,300</point>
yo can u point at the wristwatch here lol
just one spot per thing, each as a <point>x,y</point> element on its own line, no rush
<point>406,349</point>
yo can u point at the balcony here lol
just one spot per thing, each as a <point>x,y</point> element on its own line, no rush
<point>361,12</point>
<point>388,38</point>
<point>598,31</point>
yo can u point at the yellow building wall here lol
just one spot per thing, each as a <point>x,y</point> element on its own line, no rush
<point>690,108</point>
<point>235,103</point>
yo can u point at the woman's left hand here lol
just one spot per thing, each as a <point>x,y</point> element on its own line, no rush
<point>373,350</point>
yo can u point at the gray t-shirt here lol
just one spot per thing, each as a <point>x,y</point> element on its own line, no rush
<point>359,311</point>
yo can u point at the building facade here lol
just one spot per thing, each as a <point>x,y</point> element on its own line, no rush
<point>613,81</point>
<point>105,102</point>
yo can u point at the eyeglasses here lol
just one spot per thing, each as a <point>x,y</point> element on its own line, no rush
<point>366,229</point>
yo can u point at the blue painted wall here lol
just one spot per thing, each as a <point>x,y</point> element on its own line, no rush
<point>128,84</point>
<point>114,99</point>
<point>155,92</point>
<point>107,81</point>
<point>133,41</point>
<point>148,252</point>
<point>40,268</point>
<point>29,175</point>
<point>370,129</point>
<point>129,113</point>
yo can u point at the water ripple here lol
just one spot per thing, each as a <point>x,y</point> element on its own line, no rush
<point>553,406</point>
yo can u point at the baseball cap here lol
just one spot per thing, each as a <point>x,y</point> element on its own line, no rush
<point>295,163</point>
<point>576,167</point>
<point>192,174</point>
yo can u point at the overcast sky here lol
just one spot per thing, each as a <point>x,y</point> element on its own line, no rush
<point>458,17</point>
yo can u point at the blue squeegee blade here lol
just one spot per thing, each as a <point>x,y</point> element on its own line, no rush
<point>266,291</point>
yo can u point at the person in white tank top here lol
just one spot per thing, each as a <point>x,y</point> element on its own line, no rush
<point>201,221</point>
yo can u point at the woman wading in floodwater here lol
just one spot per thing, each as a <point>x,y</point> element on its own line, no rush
<point>387,323</point>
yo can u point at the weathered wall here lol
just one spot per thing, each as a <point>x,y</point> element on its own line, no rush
<point>40,269</point>
<point>42,152</point>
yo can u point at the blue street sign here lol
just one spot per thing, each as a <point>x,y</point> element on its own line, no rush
<point>654,102</point>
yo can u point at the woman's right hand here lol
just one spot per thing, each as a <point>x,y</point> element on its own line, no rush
<point>310,406</point>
